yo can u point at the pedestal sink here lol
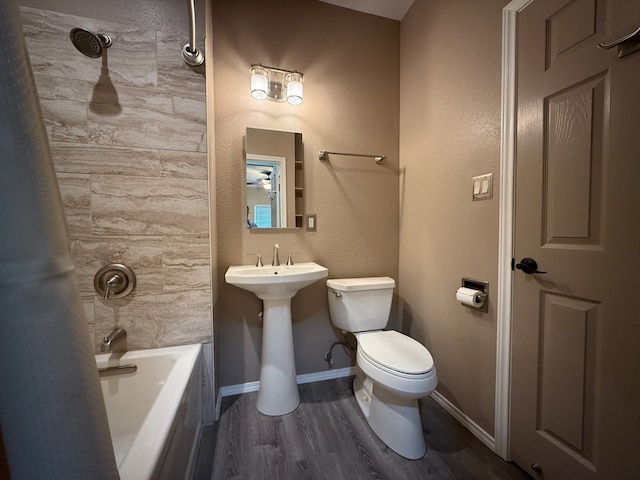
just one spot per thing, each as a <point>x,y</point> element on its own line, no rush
<point>276,286</point>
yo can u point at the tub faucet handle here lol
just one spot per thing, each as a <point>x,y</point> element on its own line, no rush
<point>115,280</point>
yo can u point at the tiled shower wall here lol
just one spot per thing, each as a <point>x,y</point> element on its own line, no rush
<point>127,135</point>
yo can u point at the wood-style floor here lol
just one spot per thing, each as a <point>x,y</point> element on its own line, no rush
<point>328,438</point>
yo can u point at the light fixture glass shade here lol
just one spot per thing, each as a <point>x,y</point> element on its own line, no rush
<point>259,83</point>
<point>276,84</point>
<point>294,88</point>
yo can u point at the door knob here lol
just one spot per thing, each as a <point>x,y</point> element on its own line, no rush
<point>528,266</point>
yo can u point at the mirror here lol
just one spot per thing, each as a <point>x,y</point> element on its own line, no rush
<point>273,179</point>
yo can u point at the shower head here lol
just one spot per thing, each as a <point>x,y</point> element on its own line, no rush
<point>88,43</point>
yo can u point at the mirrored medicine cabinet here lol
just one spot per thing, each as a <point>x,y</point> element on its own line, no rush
<point>274,179</point>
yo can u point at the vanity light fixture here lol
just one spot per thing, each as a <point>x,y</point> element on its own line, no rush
<point>276,84</point>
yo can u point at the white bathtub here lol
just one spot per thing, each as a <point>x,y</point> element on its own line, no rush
<point>154,413</point>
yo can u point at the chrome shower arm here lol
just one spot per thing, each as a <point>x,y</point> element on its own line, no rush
<point>192,56</point>
<point>192,25</point>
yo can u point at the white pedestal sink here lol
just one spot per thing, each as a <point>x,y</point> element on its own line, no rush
<point>276,286</point>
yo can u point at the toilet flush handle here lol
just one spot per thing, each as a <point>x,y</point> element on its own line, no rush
<point>337,294</point>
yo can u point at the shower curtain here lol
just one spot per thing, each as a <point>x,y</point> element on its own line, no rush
<point>52,415</point>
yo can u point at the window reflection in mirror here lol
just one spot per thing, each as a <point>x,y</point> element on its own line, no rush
<point>266,192</point>
<point>273,172</point>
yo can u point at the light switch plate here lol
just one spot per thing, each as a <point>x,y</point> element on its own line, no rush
<point>483,187</point>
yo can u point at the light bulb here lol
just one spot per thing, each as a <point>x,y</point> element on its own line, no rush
<point>294,89</point>
<point>259,83</point>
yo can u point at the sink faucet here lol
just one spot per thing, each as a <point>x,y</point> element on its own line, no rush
<point>118,335</point>
<point>276,259</point>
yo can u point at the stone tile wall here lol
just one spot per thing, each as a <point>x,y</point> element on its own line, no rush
<point>128,139</point>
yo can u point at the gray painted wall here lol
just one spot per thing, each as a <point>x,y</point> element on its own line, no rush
<point>351,66</point>
<point>450,132</point>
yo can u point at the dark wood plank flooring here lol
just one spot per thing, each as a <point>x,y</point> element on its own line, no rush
<point>328,438</point>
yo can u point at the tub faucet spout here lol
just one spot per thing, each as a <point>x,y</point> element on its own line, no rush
<point>109,343</point>
<point>276,259</point>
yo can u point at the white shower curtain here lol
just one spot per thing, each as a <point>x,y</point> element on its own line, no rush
<point>52,414</point>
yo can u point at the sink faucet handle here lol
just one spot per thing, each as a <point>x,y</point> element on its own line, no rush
<point>258,260</point>
<point>290,259</point>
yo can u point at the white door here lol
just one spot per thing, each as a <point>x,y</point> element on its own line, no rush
<point>575,395</point>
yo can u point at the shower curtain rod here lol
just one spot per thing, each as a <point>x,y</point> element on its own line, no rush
<point>192,56</point>
<point>324,155</point>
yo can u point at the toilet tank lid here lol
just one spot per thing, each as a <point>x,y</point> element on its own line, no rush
<point>368,283</point>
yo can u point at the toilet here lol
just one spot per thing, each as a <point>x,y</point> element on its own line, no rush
<point>394,370</point>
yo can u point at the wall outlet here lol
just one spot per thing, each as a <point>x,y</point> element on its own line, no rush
<point>311,222</point>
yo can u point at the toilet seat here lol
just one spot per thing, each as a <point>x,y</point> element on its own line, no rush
<point>396,353</point>
<point>397,362</point>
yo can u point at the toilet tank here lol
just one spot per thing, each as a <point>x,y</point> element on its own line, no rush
<point>360,304</point>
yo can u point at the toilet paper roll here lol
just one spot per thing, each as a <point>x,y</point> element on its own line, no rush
<point>470,297</point>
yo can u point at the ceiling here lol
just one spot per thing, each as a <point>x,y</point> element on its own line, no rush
<point>394,9</point>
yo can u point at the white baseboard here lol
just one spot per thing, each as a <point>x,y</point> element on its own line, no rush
<point>238,389</point>
<point>326,375</point>
<point>216,410</point>
<point>300,379</point>
<point>472,426</point>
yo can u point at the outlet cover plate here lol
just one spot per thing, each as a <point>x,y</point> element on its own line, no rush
<point>311,222</point>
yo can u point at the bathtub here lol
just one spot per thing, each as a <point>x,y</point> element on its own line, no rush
<point>154,413</point>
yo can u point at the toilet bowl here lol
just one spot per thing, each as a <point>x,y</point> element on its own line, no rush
<point>394,370</point>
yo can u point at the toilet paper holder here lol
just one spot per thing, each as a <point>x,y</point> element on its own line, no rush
<point>481,286</point>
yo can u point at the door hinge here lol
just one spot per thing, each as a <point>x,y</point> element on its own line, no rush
<point>513,266</point>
